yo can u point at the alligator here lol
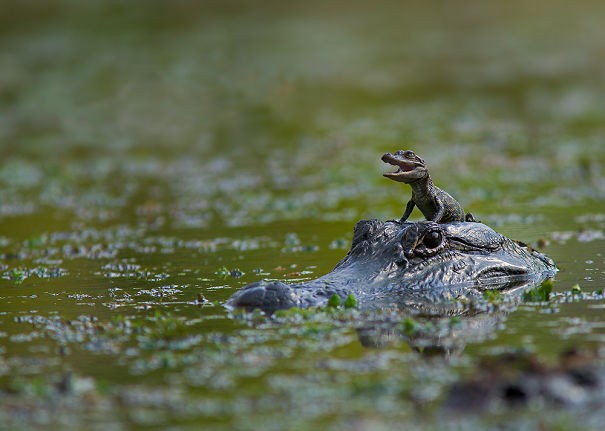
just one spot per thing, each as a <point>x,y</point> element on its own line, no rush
<point>410,265</point>
<point>435,204</point>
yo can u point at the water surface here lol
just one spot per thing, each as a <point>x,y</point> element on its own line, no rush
<point>155,159</point>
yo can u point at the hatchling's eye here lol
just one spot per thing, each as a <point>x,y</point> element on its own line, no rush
<point>432,239</point>
<point>409,154</point>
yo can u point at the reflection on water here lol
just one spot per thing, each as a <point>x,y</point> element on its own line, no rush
<point>446,328</point>
<point>154,159</point>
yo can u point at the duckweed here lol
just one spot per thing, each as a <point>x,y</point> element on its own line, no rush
<point>154,159</point>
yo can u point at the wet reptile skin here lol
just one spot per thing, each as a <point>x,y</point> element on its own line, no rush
<point>397,264</point>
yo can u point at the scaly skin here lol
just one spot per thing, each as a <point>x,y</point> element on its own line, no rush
<point>422,265</point>
<point>436,204</point>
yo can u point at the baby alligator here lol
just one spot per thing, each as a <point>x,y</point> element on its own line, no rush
<point>436,204</point>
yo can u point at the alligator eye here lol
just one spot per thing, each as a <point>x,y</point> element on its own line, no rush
<point>409,154</point>
<point>432,239</point>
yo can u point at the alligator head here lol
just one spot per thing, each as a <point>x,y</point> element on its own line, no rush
<point>410,167</point>
<point>402,264</point>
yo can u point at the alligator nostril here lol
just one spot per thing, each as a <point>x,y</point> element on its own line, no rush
<point>402,262</point>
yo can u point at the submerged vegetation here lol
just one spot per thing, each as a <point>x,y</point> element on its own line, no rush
<point>539,293</point>
<point>155,159</point>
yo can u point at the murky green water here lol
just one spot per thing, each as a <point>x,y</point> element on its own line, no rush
<point>156,156</point>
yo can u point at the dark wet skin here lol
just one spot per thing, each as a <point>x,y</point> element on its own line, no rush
<point>422,265</point>
<point>436,204</point>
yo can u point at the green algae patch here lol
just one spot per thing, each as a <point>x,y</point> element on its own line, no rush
<point>409,326</point>
<point>350,301</point>
<point>166,327</point>
<point>493,296</point>
<point>540,293</point>
<point>327,314</point>
<point>17,275</point>
<point>334,301</point>
<point>304,313</point>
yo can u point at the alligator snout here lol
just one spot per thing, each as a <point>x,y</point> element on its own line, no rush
<point>269,296</point>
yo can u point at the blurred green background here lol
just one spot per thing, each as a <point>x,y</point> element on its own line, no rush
<point>239,112</point>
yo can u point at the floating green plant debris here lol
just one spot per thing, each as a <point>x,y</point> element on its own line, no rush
<point>295,311</point>
<point>350,301</point>
<point>225,272</point>
<point>334,301</point>
<point>222,272</point>
<point>236,273</point>
<point>37,241</point>
<point>18,275</point>
<point>493,296</point>
<point>167,326</point>
<point>540,293</point>
<point>339,244</point>
<point>409,326</point>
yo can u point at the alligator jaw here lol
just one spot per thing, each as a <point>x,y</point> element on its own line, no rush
<point>403,166</point>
